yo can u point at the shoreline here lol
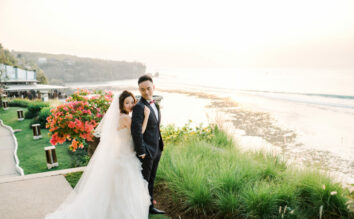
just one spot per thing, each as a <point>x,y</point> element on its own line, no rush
<point>253,123</point>
<point>257,130</point>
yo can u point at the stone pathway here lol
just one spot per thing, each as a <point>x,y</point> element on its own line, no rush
<point>27,196</point>
<point>7,156</point>
<point>33,196</point>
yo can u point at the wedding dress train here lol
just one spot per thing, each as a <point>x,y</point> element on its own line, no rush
<point>112,185</point>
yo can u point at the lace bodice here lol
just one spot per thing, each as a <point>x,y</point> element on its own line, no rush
<point>125,140</point>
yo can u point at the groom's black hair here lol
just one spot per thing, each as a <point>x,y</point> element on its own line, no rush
<point>145,78</point>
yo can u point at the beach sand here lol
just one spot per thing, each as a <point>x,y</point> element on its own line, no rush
<point>254,130</point>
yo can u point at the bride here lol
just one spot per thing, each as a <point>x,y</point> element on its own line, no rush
<point>112,185</point>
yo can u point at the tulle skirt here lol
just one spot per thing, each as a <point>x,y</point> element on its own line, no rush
<point>120,192</point>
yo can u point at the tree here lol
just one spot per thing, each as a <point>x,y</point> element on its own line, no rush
<point>2,81</point>
<point>41,77</point>
<point>6,57</point>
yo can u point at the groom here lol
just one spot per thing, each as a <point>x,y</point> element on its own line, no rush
<point>149,145</point>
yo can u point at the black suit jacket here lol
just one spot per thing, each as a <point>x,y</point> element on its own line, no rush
<point>151,141</point>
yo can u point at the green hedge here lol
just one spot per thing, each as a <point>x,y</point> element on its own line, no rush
<point>34,108</point>
<point>79,158</point>
<point>19,102</point>
<point>42,117</point>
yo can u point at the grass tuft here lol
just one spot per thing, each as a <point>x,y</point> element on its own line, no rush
<point>213,177</point>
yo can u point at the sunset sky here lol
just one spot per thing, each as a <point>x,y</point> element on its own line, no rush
<point>186,34</point>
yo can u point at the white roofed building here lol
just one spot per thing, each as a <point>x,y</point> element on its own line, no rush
<point>23,83</point>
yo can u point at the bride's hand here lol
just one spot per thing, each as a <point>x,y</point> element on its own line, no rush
<point>146,111</point>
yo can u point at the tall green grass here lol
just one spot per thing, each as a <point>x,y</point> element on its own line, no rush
<point>210,176</point>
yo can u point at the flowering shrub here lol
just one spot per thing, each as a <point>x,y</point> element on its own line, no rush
<point>173,134</point>
<point>76,119</point>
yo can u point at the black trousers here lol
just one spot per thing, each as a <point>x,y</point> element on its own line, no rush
<point>149,172</point>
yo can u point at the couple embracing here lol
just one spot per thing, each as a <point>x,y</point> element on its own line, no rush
<point>118,181</point>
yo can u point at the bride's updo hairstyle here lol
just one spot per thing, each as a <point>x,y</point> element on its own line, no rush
<point>122,97</point>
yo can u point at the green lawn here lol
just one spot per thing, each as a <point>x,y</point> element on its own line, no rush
<point>31,152</point>
<point>73,178</point>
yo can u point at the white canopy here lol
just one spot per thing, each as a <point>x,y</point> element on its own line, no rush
<point>23,87</point>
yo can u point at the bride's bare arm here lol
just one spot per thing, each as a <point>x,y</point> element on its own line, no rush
<point>146,118</point>
<point>124,122</point>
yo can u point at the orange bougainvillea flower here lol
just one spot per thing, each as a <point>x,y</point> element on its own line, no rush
<point>76,119</point>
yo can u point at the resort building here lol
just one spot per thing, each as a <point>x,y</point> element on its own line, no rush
<point>23,84</point>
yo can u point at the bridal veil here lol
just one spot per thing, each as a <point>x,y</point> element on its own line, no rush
<point>112,185</point>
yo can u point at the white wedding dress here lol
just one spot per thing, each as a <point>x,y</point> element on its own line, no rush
<point>112,185</point>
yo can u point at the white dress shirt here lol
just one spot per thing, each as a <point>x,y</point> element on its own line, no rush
<point>153,106</point>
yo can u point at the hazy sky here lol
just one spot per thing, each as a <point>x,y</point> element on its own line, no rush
<point>186,33</point>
